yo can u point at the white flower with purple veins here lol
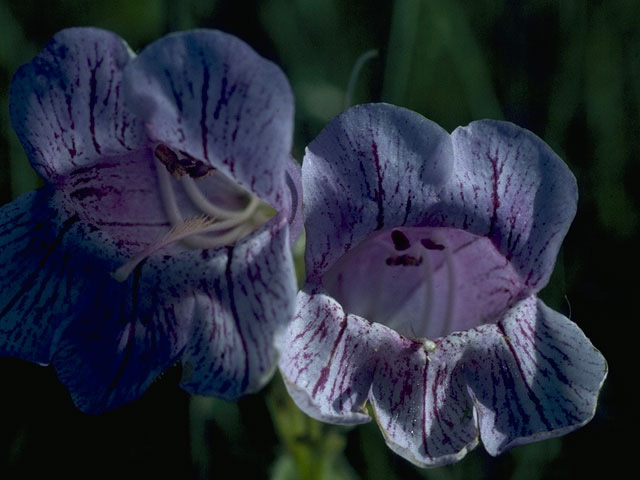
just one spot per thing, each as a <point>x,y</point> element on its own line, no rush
<point>154,239</point>
<point>425,252</point>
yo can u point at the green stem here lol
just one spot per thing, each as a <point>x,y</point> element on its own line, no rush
<point>316,448</point>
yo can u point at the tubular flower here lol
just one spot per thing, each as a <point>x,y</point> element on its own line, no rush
<point>162,232</point>
<point>425,252</point>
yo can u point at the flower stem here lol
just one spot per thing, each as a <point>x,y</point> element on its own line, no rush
<point>316,448</point>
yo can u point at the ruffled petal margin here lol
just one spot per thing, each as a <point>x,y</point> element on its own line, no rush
<point>333,363</point>
<point>531,376</point>
<point>422,406</point>
<point>326,359</point>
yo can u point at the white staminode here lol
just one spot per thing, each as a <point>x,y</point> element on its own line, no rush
<point>451,287</point>
<point>429,345</point>
<point>192,231</point>
<point>428,285</point>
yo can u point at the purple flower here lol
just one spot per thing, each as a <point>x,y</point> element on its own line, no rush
<point>425,252</point>
<point>153,240</point>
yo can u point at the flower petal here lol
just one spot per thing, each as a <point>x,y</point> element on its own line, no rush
<point>133,332</point>
<point>422,405</point>
<point>120,196</point>
<point>373,167</point>
<point>37,281</point>
<point>59,303</point>
<point>533,375</point>
<point>209,94</point>
<point>67,106</point>
<point>510,186</point>
<point>244,298</point>
<point>328,357</point>
<point>294,183</point>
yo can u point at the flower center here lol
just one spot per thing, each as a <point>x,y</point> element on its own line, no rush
<point>196,221</point>
<point>425,282</point>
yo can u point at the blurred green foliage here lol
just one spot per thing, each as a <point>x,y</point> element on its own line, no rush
<point>567,70</point>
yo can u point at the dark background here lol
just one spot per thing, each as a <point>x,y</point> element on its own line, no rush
<point>567,70</point>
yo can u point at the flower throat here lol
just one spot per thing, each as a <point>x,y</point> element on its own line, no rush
<point>215,226</point>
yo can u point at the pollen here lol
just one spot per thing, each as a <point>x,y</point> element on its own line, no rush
<point>429,345</point>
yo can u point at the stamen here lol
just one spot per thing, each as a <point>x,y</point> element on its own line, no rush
<point>400,240</point>
<point>428,283</point>
<point>187,232</point>
<point>203,242</point>
<point>167,196</point>
<point>451,294</point>
<point>235,223</point>
<point>200,201</point>
<point>169,159</point>
<point>173,212</point>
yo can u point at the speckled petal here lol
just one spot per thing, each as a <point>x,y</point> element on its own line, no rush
<point>533,375</point>
<point>422,404</point>
<point>107,340</point>
<point>510,186</point>
<point>37,281</point>
<point>118,195</point>
<point>67,104</point>
<point>328,358</point>
<point>132,332</point>
<point>245,296</point>
<point>373,167</point>
<point>209,94</point>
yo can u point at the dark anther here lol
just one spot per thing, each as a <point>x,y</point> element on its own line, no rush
<point>165,155</point>
<point>185,154</point>
<point>400,240</point>
<point>404,261</point>
<point>431,245</point>
<point>187,163</point>
<point>170,160</point>
<point>200,170</point>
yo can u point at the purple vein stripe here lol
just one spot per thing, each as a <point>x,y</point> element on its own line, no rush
<point>530,393</point>
<point>130,340</point>
<point>380,192</point>
<point>31,278</point>
<point>236,318</point>
<point>324,374</point>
